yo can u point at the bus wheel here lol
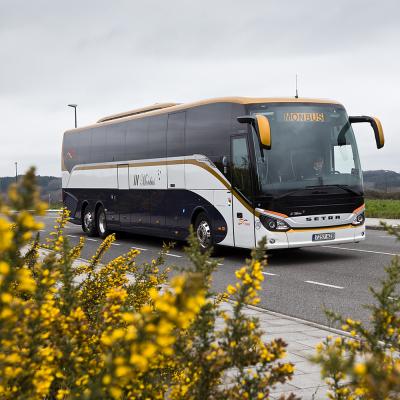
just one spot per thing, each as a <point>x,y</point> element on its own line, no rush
<point>203,231</point>
<point>88,222</point>
<point>102,223</point>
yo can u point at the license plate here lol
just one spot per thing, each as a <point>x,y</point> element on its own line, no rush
<point>323,236</point>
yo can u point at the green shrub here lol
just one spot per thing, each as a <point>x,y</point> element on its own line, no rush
<point>366,364</point>
<point>124,330</point>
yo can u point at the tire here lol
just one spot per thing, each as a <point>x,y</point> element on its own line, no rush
<point>203,231</point>
<point>101,223</point>
<point>88,222</point>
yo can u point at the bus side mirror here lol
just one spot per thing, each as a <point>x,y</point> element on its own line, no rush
<point>225,164</point>
<point>376,126</point>
<point>262,127</point>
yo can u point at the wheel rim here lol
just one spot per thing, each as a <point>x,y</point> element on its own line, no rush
<point>88,221</point>
<point>102,223</point>
<point>204,234</point>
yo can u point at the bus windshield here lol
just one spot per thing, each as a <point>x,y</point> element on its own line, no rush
<point>313,145</point>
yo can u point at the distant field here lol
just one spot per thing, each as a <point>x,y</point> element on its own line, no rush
<point>382,208</point>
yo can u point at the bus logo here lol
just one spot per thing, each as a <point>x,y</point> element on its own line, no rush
<point>303,117</point>
<point>323,218</point>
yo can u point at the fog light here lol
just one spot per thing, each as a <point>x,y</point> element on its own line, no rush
<point>359,219</point>
<point>272,224</point>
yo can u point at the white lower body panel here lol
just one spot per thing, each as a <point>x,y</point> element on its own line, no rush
<point>303,238</point>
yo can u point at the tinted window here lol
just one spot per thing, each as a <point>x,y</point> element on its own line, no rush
<point>98,148</point>
<point>158,136</point>
<point>137,139</point>
<point>115,142</point>
<point>241,165</point>
<point>82,141</point>
<point>208,130</point>
<point>176,135</point>
<point>69,151</point>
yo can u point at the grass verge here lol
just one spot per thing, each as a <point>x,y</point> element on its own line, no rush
<point>382,208</point>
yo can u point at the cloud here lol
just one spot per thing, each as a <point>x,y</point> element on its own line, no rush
<point>113,56</point>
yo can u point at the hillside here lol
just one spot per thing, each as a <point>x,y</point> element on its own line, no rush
<point>50,187</point>
<point>382,180</point>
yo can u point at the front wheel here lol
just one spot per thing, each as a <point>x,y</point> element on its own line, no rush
<point>88,222</point>
<point>102,223</point>
<point>203,231</point>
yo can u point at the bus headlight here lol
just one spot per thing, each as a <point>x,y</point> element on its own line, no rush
<point>274,224</point>
<point>359,219</point>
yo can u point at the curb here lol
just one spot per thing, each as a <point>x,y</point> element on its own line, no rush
<point>379,227</point>
<point>299,320</point>
<point>375,227</point>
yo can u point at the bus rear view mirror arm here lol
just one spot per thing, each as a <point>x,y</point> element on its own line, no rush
<point>262,127</point>
<point>376,126</point>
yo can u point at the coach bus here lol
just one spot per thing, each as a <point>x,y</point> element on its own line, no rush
<point>237,169</point>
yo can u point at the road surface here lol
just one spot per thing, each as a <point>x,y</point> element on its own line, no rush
<point>299,283</point>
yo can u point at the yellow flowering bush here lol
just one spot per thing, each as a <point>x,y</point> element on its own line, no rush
<point>366,363</point>
<point>121,330</point>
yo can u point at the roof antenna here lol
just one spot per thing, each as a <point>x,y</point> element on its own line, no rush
<point>297,93</point>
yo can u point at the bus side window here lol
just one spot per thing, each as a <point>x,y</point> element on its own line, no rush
<point>158,136</point>
<point>241,165</point>
<point>176,135</point>
<point>115,142</point>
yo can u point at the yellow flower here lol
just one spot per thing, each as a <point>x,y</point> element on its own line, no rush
<point>231,289</point>
<point>360,369</point>
<point>6,235</point>
<point>139,362</point>
<point>26,282</point>
<point>6,298</point>
<point>4,268</point>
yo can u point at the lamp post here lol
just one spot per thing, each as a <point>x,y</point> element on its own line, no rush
<point>16,172</point>
<point>74,106</point>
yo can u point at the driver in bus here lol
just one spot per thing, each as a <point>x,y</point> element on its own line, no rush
<point>315,168</point>
<point>318,166</point>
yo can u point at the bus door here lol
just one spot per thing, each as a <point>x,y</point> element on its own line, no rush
<point>122,197</point>
<point>243,217</point>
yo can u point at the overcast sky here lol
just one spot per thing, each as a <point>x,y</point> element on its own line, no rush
<point>112,56</point>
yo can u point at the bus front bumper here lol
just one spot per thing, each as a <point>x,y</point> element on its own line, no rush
<point>304,237</point>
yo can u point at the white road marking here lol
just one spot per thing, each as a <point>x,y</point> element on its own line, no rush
<point>270,274</point>
<point>138,248</point>
<point>325,284</point>
<point>361,251</point>
<point>209,262</point>
<point>92,240</point>
<point>74,236</point>
<point>115,244</point>
<point>173,255</point>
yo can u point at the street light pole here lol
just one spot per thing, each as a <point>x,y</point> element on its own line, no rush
<point>74,106</point>
<point>16,172</point>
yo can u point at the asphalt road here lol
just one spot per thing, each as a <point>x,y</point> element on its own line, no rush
<point>299,283</point>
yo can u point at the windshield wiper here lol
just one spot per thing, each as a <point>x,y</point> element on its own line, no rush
<point>347,188</point>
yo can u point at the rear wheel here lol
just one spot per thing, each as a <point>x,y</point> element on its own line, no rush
<point>88,222</point>
<point>102,223</point>
<point>203,231</point>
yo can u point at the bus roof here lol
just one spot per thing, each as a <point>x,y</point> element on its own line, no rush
<point>162,108</point>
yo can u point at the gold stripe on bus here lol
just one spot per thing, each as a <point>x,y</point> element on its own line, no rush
<point>325,228</point>
<point>174,162</point>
